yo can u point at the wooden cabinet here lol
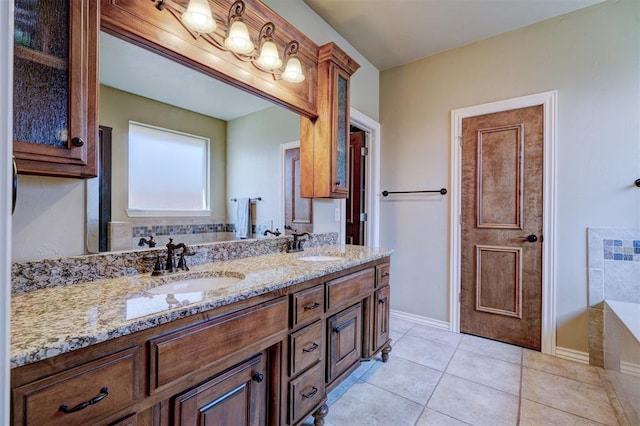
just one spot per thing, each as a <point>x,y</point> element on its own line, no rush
<point>344,344</point>
<point>55,87</point>
<point>78,396</point>
<point>234,397</point>
<point>324,145</point>
<point>270,359</point>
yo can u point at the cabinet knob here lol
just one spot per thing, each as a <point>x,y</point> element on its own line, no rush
<point>77,142</point>
<point>382,301</point>
<point>338,183</point>
<point>258,378</point>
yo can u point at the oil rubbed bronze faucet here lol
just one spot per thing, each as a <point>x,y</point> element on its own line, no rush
<point>170,263</point>
<point>296,244</point>
<point>274,233</point>
<point>148,242</point>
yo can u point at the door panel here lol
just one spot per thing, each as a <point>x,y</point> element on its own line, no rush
<point>298,210</point>
<point>501,273</point>
<point>355,200</point>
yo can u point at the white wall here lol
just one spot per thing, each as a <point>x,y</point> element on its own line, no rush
<point>592,58</point>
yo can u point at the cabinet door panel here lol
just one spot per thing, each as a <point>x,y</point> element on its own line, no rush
<point>235,397</point>
<point>345,341</point>
<point>381,317</point>
<point>55,87</point>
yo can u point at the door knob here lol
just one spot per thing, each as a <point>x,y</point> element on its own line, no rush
<point>531,238</point>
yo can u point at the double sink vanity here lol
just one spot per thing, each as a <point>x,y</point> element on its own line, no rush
<point>249,340</point>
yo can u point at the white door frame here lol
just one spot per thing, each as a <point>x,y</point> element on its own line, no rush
<point>283,149</point>
<point>549,100</point>
<point>6,177</point>
<point>372,201</point>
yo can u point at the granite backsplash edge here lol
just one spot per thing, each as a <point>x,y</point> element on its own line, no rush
<point>45,273</point>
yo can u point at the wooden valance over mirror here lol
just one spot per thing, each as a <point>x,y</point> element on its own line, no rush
<point>161,29</point>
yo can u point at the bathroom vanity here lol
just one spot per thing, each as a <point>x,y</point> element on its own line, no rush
<point>263,350</point>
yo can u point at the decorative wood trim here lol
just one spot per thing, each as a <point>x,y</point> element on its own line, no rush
<point>549,100</point>
<point>480,223</point>
<point>143,24</point>
<point>517,312</point>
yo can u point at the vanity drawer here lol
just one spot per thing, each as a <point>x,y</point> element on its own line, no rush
<point>305,392</point>
<point>103,386</point>
<point>305,347</point>
<point>173,356</point>
<point>382,274</point>
<point>347,290</point>
<point>307,305</point>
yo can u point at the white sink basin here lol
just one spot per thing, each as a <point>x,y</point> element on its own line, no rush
<point>320,258</point>
<point>196,284</point>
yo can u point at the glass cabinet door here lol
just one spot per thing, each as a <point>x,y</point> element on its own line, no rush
<point>55,87</point>
<point>341,141</point>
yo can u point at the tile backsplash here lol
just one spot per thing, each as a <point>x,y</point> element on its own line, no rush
<point>626,250</point>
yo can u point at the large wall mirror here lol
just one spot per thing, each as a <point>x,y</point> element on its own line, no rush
<point>245,133</point>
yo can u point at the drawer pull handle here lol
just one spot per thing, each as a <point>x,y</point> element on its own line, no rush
<point>382,301</point>
<point>341,327</point>
<point>311,394</point>
<point>316,305</point>
<point>312,348</point>
<point>384,275</point>
<point>104,392</point>
<point>257,377</point>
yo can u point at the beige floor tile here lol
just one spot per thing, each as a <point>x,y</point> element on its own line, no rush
<point>394,336</point>
<point>572,396</point>
<point>491,348</point>
<point>474,403</point>
<point>561,367</point>
<point>405,378</point>
<point>534,414</point>
<point>367,405</point>
<point>430,417</point>
<point>491,372</point>
<point>426,352</point>
<point>399,325</point>
<point>441,336</point>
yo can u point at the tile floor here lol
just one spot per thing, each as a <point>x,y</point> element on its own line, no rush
<point>435,377</point>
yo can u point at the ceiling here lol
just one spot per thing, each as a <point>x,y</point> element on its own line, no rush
<point>390,33</point>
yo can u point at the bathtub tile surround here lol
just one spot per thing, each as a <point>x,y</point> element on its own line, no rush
<point>38,274</point>
<point>470,387</point>
<point>614,274</point>
<point>614,312</point>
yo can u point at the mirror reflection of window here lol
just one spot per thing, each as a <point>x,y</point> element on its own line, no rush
<point>168,171</point>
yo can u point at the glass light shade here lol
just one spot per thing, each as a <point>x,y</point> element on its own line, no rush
<point>198,17</point>
<point>269,57</point>
<point>238,39</point>
<point>293,71</point>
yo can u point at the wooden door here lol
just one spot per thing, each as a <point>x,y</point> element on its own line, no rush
<point>355,200</point>
<point>298,211</point>
<point>234,397</point>
<point>501,271</point>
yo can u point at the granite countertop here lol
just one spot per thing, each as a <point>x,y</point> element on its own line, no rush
<point>53,321</point>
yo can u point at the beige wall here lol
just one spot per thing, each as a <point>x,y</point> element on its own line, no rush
<point>592,58</point>
<point>254,166</point>
<point>117,108</point>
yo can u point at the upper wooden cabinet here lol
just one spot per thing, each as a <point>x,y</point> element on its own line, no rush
<point>55,87</point>
<point>324,144</point>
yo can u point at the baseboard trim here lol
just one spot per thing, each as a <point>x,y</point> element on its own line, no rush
<point>443,325</point>
<point>572,355</point>
<point>630,368</point>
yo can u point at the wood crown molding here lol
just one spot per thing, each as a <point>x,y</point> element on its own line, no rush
<point>331,52</point>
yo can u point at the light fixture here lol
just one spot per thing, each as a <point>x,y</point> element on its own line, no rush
<point>238,39</point>
<point>293,69</point>
<point>269,58</point>
<point>198,19</point>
